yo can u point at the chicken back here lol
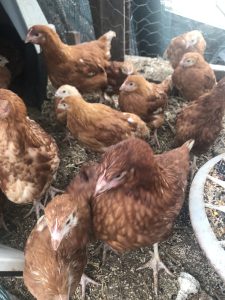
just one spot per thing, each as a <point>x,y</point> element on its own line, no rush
<point>192,41</point>
<point>138,194</point>
<point>96,125</point>
<point>202,119</point>
<point>193,76</point>
<point>28,155</point>
<point>82,65</point>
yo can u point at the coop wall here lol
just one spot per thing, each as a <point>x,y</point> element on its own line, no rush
<point>147,25</point>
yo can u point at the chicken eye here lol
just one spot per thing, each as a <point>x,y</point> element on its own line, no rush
<point>91,74</point>
<point>36,34</point>
<point>131,83</point>
<point>119,176</point>
<point>63,91</point>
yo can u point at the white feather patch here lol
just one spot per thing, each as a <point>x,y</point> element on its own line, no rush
<point>130,120</point>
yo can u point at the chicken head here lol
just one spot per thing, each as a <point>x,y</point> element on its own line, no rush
<point>60,219</point>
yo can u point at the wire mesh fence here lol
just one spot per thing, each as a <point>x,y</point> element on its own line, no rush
<point>148,24</point>
<point>68,15</point>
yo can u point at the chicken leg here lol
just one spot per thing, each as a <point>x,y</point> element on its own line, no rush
<point>2,222</point>
<point>155,135</point>
<point>52,191</point>
<point>156,264</point>
<point>83,282</point>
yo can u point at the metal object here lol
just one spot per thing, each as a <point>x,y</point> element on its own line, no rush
<point>203,231</point>
<point>11,260</point>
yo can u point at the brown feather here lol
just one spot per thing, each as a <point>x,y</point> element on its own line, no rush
<point>28,155</point>
<point>202,119</point>
<point>192,41</point>
<point>141,210</point>
<point>50,274</point>
<point>194,80</point>
<point>82,65</point>
<point>98,126</point>
<point>147,100</point>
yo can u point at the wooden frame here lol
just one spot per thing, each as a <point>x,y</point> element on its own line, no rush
<point>112,15</point>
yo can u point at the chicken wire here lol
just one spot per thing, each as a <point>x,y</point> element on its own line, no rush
<point>150,25</point>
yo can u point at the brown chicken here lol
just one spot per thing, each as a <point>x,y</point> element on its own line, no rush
<point>117,72</point>
<point>202,119</point>
<point>96,125</point>
<point>138,195</point>
<point>28,155</point>
<point>82,65</point>
<point>55,254</point>
<point>5,74</point>
<point>145,99</point>
<point>192,41</point>
<point>193,77</point>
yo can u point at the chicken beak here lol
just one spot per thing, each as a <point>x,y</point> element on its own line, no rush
<point>55,244</point>
<point>55,237</point>
<point>122,87</point>
<point>101,185</point>
<point>28,38</point>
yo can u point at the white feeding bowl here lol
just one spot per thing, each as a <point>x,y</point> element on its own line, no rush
<point>207,240</point>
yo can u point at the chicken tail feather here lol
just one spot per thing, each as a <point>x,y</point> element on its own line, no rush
<point>189,144</point>
<point>109,35</point>
<point>106,39</point>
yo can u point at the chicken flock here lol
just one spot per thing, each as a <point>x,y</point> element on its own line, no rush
<point>131,197</point>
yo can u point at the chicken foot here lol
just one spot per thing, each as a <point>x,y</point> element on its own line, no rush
<point>171,127</point>
<point>68,138</point>
<point>83,282</point>
<point>104,252</point>
<point>52,191</point>
<point>37,207</point>
<point>156,264</point>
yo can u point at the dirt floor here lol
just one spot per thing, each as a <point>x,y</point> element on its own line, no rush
<point>118,277</point>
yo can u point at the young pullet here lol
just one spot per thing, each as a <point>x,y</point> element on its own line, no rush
<point>192,41</point>
<point>55,254</point>
<point>193,77</point>
<point>82,65</point>
<point>145,99</point>
<point>28,155</point>
<point>138,196</point>
<point>5,74</point>
<point>202,119</point>
<point>96,125</point>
